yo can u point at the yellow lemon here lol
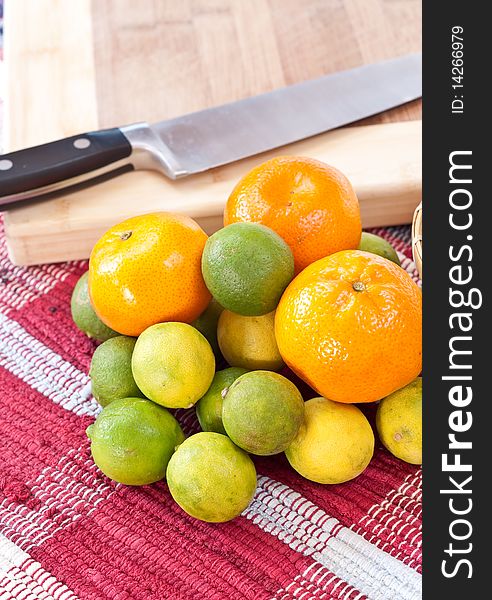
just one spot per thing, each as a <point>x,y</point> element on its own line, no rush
<point>249,342</point>
<point>334,444</point>
<point>173,364</point>
<point>399,422</point>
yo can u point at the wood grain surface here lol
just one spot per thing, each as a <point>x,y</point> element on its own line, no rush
<point>82,64</point>
<point>78,65</point>
<point>207,52</point>
<point>49,71</point>
<point>203,53</point>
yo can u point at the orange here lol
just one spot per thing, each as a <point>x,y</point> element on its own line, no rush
<point>311,205</point>
<point>350,325</point>
<point>147,270</point>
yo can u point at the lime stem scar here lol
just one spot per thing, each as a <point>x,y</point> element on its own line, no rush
<point>358,286</point>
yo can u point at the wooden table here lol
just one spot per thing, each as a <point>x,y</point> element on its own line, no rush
<point>78,65</point>
<point>122,61</point>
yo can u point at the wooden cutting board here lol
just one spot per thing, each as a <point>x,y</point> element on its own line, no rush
<point>81,65</point>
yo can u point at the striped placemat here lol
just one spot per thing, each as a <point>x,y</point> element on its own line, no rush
<point>68,532</point>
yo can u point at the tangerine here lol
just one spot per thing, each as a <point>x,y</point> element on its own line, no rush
<point>311,205</point>
<point>350,325</point>
<point>147,270</point>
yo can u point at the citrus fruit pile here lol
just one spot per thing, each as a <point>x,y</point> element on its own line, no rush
<point>186,320</point>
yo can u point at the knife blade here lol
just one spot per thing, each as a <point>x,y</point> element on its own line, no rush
<point>212,137</point>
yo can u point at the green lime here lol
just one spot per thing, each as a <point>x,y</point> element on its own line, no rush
<point>207,324</point>
<point>249,342</point>
<point>173,364</point>
<point>210,478</point>
<point>111,370</point>
<point>399,422</point>
<point>369,242</point>
<point>246,267</point>
<point>334,444</point>
<point>209,408</point>
<point>84,315</point>
<point>133,439</point>
<point>262,412</point>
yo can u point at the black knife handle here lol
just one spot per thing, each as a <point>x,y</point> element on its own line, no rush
<point>48,164</point>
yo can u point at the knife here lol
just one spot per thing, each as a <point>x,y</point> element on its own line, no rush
<point>212,137</point>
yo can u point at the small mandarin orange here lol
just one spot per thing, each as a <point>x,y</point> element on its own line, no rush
<point>350,325</point>
<point>311,205</point>
<point>147,270</point>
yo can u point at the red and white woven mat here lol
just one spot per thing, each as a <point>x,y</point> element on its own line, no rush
<point>68,532</point>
